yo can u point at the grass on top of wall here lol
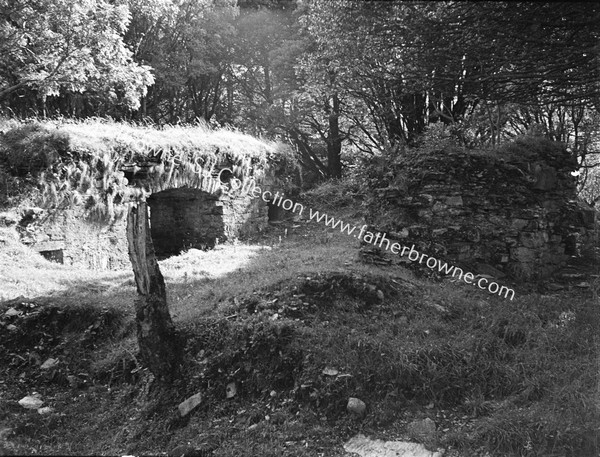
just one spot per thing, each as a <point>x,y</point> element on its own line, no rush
<point>82,163</point>
<point>98,136</point>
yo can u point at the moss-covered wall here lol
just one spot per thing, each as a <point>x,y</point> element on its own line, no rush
<point>514,209</point>
<point>85,244</point>
<point>89,173</point>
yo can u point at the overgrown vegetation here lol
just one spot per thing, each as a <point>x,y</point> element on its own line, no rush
<point>76,163</point>
<point>280,332</point>
<point>298,331</point>
<point>304,71</point>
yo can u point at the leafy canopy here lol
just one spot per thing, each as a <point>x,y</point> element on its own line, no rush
<point>52,46</point>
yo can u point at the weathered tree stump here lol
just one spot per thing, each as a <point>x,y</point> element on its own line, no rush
<point>160,349</point>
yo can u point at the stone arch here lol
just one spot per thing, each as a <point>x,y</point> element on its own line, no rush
<point>191,207</point>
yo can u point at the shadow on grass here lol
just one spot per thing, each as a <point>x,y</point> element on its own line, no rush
<point>522,373</point>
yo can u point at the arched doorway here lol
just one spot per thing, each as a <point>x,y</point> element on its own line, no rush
<point>185,218</point>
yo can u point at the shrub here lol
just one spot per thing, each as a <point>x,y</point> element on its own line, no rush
<point>32,148</point>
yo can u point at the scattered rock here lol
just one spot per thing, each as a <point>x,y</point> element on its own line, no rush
<point>31,402</point>
<point>367,447</point>
<point>45,410</point>
<point>188,405</point>
<point>330,372</point>
<point>11,328</point>
<point>380,295</point>
<point>230,390</point>
<point>488,277</point>
<point>356,406</point>
<point>278,418</point>
<point>8,219</point>
<point>421,429</point>
<point>583,285</point>
<point>74,381</point>
<point>50,363</point>
<point>487,270</point>
<point>11,312</point>
<point>554,287</point>
<point>439,308</point>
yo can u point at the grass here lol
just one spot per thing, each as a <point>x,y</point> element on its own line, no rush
<point>498,377</point>
<point>85,162</point>
<point>24,272</point>
<point>97,136</point>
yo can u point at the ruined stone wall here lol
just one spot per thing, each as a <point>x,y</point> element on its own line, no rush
<point>180,219</point>
<point>244,216</point>
<point>68,236</point>
<point>513,211</point>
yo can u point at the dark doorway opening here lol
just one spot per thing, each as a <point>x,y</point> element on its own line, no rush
<point>184,218</point>
<point>53,256</point>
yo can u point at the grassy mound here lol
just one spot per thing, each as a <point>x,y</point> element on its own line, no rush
<point>85,162</point>
<point>509,378</point>
<point>277,343</point>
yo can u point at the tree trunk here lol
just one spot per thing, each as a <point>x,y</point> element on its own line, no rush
<point>334,141</point>
<point>160,350</point>
<point>268,90</point>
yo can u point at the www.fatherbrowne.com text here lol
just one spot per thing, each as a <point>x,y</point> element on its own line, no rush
<point>249,187</point>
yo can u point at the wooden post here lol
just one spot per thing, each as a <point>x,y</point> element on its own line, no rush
<point>160,349</point>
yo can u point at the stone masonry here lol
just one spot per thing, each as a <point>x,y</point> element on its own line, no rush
<point>183,218</point>
<point>510,212</point>
<point>180,218</point>
<point>66,237</point>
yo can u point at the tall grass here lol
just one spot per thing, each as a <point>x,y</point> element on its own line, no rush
<point>84,161</point>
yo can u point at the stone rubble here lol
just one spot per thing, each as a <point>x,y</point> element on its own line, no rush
<point>510,213</point>
<point>366,447</point>
<point>356,406</point>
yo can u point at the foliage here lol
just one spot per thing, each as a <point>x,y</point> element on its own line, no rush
<point>83,162</point>
<point>50,48</point>
<point>589,188</point>
<point>328,77</point>
<point>333,194</point>
<point>30,149</point>
<point>188,44</point>
<point>410,64</point>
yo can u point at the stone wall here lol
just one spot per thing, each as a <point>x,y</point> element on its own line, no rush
<point>98,170</point>
<point>512,211</point>
<point>180,219</point>
<point>68,236</point>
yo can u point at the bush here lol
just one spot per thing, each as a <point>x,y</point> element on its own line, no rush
<point>30,149</point>
<point>334,193</point>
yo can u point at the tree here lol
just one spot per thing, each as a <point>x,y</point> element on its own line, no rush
<point>412,63</point>
<point>188,44</point>
<point>160,350</point>
<point>55,48</point>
